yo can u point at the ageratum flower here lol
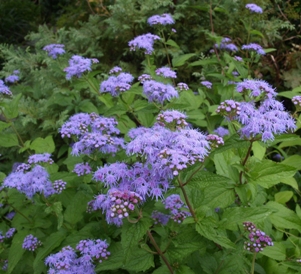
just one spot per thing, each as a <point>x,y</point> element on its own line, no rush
<point>54,50</point>
<point>221,131</point>
<point>227,45</point>
<point>175,205</point>
<point>257,87</point>
<point>164,19</point>
<point>93,250</point>
<point>115,70</point>
<point>145,41</point>
<point>182,86</point>
<point>172,119</point>
<point>254,8</point>
<point>117,84</point>
<point>4,89</point>
<point>82,169</point>
<point>207,84</point>
<point>12,79</point>
<point>255,47</point>
<point>166,72</point>
<point>31,243</point>
<point>297,101</point>
<point>160,218</point>
<point>159,92</point>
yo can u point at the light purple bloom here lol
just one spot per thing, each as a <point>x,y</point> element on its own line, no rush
<point>297,101</point>
<point>238,58</point>
<point>182,86</point>
<point>229,109</point>
<point>54,50</point>
<point>221,131</point>
<point>160,218</point>
<point>115,70</point>
<point>227,45</point>
<point>255,47</point>
<point>82,169</point>
<point>257,87</point>
<point>10,215</point>
<point>207,84</point>
<point>159,92</point>
<point>12,79</point>
<point>172,119</point>
<point>144,77</point>
<point>59,186</point>
<point>166,72</point>
<point>40,158</point>
<point>254,8</point>
<point>31,243</point>
<point>93,250</point>
<point>117,84</point>
<point>145,41</point>
<point>214,140</point>
<point>175,204</point>
<point>10,233</point>
<point>4,89</point>
<point>164,19</point>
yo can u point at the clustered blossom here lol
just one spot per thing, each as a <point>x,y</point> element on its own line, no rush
<point>297,101</point>
<point>4,89</point>
<point>159,92</point>
<point>182,86</point>
<point>5,265</point>
<point>117,84</point>
<point>31,243</point>
<point>12,78</point>
<point>78,65</point>
<point>67,261</point>
<point>227,44</point>
<point>164,19</point>
<point>144,77</point>
<point>10,215</point>
<point>10,233</point>
<point>257,87</point>
<point>175,205</point>
<point>54,50</point>
<point>221,131</point>
<point>207,84</point>
<point>40,158</point>
<point>215,141</point>
<point>94,133</point>
<point>254,8</point>
<point>172,119</point>
<point>145,41</point>
<point>160,218</point>
<point>238,58</point>
<point>257,238</point>
<point>115,70</point>
<point>59,186</point>
<point>166,72</point>
<point>255,47</point>
<point>229,108</point>
<point>82,169</point>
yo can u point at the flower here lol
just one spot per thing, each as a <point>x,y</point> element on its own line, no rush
<point>12,78</point>
<point>54,50</point>
<point>254,8</point>
<point>172,119</point>
<point>297,101</point>
<point>115,70</point>
<point>10,233</point>
<point>144,77</point>
<point>227,45</point>
<point>40,158</point>
<point>59,186</point>
<point>255,47</point>
<point>207,84</point>
<point>145,41</point>
<point>4,89</point>
<point>215,140</point>
<point>164,19</point>
<point>93,250</point>
<point>82,169</point>
<point>159,92</point>
<point>229,108</point>
<point>117,84</point>
<point>175,204</point>
<point>221,131</point>
<point>160,218</point>
<point>182,86</point>
<point>31,243</point>
<point>238,58</point>
<point>166,72</point>
<point>257,87</point>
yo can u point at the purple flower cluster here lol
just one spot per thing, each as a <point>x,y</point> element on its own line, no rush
<point>10,215</point>
<point>257,87</point>
<point>40,158</point>
<point>214,140</point>
<point>221,131</point>
<point>67,261</point>
<point>4,89</point>
<point>164,19</point>
<point>94,133</point>
<point>255,47</point>
<point>207,84</point>
<point>82,169</point>
<point>59,186</point>
<point>257,238</point>
<point>145,41</point>
<point>12,78</point>
<point>254,8</point>
<point>159,92</point>
<point>160,218</point>
<point>238,58</point>
<point>227,44</point>
<point>116,204</point>
<point>10,233</point>
<point>78,65</point>
<point>54,50</point>
<point>31,243</point>
<point>115,70</point>
<point>117,84</point>
<point>175,205</point>
<point>166,72</point>
<point>172,119</point>
<point>182,86</point>
<point>230,109</point>
<point>297,101</point>
<point>144,77</point>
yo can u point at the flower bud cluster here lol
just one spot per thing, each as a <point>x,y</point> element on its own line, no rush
<point>31,243</point>
<point>182,86</point>
<point>297,101</point>
<point>229,108</point>
<point>82,169</point>
<point>40,158</point>
<point>166,72</point>
<point>175,205</point>
<point>59,186</point>
<point>144,77</point>
<point>215,140</point>
<point>257,238</point>
<point>115,70</point>
<point>10,233</point>
<point>4,90</point>
<point>93,250</point>
<point>172,119</point>
<point>160,218</point>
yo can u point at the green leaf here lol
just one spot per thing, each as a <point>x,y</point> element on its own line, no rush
<point>74,211</point>
<point>88,107</point>
<point>51,242</point>
<point>276,252</point>
<point>3,125</point>
<point>8,140</point>
<point>161,270</point>
<point>269,50</point>
<point>146,119</point>
<point>256,32</point>
<point>139,260</point>
<point>283,196</point>
<point>57,209</point>
<point>131,234</point>
<point>16,251</point>
<point>258,150</point>
<point>267,173</point>
<point>234,216</point>
<point>172,43</point>
<point>180,60</point>
<point>11,109</point>
<point>183,269</point>
<point>204,62</point>
<point>291,182</point>
<point>41,145</point>
<point>294,161</point>
<point>283,217</point>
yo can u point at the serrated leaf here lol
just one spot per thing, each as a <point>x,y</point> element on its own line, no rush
<point>8,140</point>
<point>258,150</point>
<point>50,243</point>
<point>131,234</point>
<point>268,173</point>
<point>294,161</point>
<point>180,60</point>
<point>41,145</point>
<point>276,252</point>
<point>172,43</point>
<point>283,197</point>
<point>204,179</point>
<point>3,125</point>
<point>88,107</point>
<point>11,109</point>
<point>234,216</point>
<point>139,260</point>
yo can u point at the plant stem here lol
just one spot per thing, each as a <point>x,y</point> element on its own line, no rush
<point>253,263</point>
<point>30,221</point>
<point>245,160</point>
<point>190,177</point>
<point>181,184</point>
<point>159,251</point>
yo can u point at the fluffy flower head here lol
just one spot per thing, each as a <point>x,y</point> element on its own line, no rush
<point>54,50</point>
<point>164,19</point>
<point>145,42</point>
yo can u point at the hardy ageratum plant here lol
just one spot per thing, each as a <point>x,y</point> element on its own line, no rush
<point>145,42</point>
<point>254,8</point>
<point>54,50</point>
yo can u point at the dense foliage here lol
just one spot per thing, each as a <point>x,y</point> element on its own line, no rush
<point>150,138</point>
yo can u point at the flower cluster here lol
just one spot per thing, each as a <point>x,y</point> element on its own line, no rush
<point>221,131</point>
<point>207,84</point>
<point>94,133</point>
<point>4,89</point>
<point>164,19</point>
<point>117,84</point>
<point>254,8</point>
<point>254,47</point>
<point>10,233</point>
<point>227,44</point>
<point>257,87</point>
<point>160,218</point>
<point>159,92</point>
<point>166,72</point>
<point>78,65</point>
<point>257,238</point>
<point>82,169</point>
<point>229,109</point>
<point>54,50</point>
<point>182,86</point>
<point>31,243</point>
<point>297,101</point>
<point>12,78</point>
<point>40,158</point>
<point>215,141</point>
<point>145,41</point>
<point>175,205</point>
<point>172,119</point>
<point>144,77</point>
<point>93,250</point>
<point>115,70</point>
<point>59,186</point>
